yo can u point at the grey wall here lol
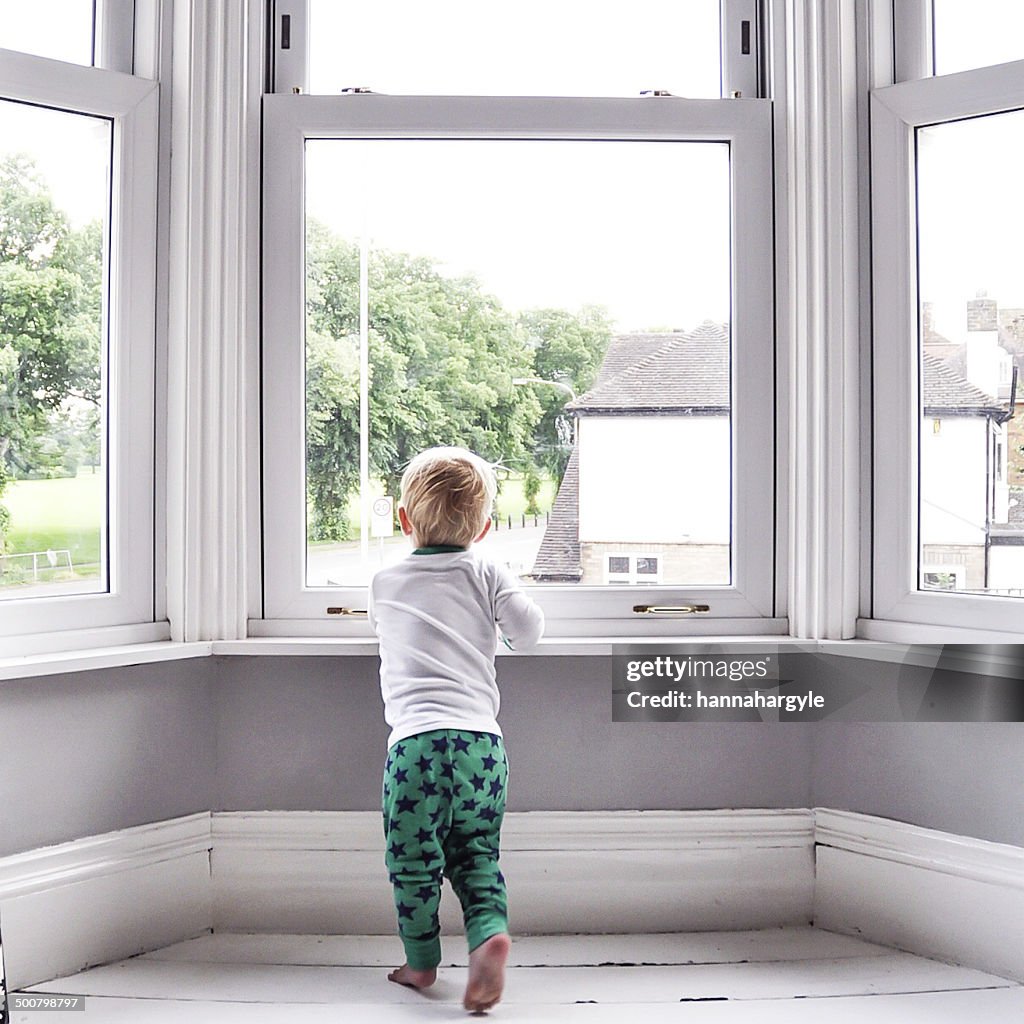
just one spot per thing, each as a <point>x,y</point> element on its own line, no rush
<point>90,752</point>
<point>308,733</point>
<point>966,778</point>
<point>95,751</point>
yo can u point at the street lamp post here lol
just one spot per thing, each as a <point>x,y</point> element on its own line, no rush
<point>554,384</point>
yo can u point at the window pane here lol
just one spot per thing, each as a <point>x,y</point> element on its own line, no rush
<point>559,307</point>
<point>971,214</point>
<point>60,29</point>
<point>977,33</point>
<point>54,216</point>
<point>527,48</point>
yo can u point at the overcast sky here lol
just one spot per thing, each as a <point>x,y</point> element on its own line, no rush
<point>637,228</point>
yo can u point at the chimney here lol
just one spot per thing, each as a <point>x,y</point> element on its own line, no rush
<point>927,321</point>
<point>986,358</point>
<point>982,313</point>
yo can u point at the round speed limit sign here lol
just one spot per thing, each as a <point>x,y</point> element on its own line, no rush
<point>382,520</point>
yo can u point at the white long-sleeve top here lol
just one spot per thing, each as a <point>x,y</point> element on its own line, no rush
<point>437,617</point>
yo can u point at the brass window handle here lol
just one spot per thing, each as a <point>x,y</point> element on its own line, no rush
<point>346,611</point>
<point>670,609</point>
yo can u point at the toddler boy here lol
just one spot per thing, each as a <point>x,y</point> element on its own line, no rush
<point>437,614</point>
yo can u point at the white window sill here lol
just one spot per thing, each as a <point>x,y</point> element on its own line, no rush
<point>57,662</point>
<point>923,654</point>
<point>54,663</point>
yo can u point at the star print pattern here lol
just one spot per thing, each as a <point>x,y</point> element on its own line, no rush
<point>443,797</point>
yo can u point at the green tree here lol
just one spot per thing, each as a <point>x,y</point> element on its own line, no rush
<point>568,348</point>
<point>50,299</point>
<point>442,358</point>
<point>531,489</point>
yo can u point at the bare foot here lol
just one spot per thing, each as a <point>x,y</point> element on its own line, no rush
<point>486,973</point>
<point>405,975</point>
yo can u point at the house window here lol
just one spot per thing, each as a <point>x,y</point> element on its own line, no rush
<point>976,34</point>
<point>30,28</point>
<point>943,37</point>
<point>633,569</point>
<point>947,298</point>
<point>497,331</point>
<point>54,264</point>
<point>77,322</point>
<point>578,288</point>
<point>93,33</point>
<point>527,48</point>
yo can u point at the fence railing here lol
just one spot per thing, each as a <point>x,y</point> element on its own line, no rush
<point>35,566</point>
<point>519,522</point>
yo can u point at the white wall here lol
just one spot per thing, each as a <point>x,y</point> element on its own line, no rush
<point>953,480</point>
<point>655,479</point>
<point>1006,567</point>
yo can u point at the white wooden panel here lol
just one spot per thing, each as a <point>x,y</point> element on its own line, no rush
<point>103,897</point>
<point>58,930</point>
<point>552,892</point>
<point>932,912</point>
<point>568,872</point>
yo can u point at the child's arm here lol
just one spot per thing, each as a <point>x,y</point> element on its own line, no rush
<point>520,620</point>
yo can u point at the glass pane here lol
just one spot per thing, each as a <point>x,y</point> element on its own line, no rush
<point>971,266</point>
<point>977,33</point>
<point>54,215</point>
<point>60,29</point>
<point>559,307</point>
<point>527,48</point>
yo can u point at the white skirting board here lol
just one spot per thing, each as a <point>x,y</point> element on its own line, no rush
<point>103,898</point>
<point>568,872</point>
<point>928,892</point>
<point>107,897</point>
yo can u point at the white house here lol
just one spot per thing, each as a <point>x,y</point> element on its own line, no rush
<point>971,537</point>
<point>654,425</point>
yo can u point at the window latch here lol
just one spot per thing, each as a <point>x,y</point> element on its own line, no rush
<point>347,611</point>
<point>671,609</point>
<point>356,90</point>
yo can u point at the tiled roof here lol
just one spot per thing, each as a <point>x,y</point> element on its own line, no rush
<point>669,373</point>
<point>626,350</point>
<point>946,391</point>
<point>559,556</point>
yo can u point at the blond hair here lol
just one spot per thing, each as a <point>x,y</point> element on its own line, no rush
<point>447,493</point>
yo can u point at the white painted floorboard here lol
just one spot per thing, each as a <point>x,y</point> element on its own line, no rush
<point>792,975</point>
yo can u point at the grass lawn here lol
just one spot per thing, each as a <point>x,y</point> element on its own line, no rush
<point>512,502</point>
<point>58,514</point>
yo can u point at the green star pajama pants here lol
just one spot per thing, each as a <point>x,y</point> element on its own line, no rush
<point>443,800</point>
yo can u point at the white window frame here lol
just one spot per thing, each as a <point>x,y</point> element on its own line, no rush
<point>746,125</point>
<point>132,105</point>
<point>896,113</point>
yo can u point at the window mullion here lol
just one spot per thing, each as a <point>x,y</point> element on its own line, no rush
<point>115,29</point>
<point>914,39</point>
<point>290,45</point>
<point>743,65</point>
